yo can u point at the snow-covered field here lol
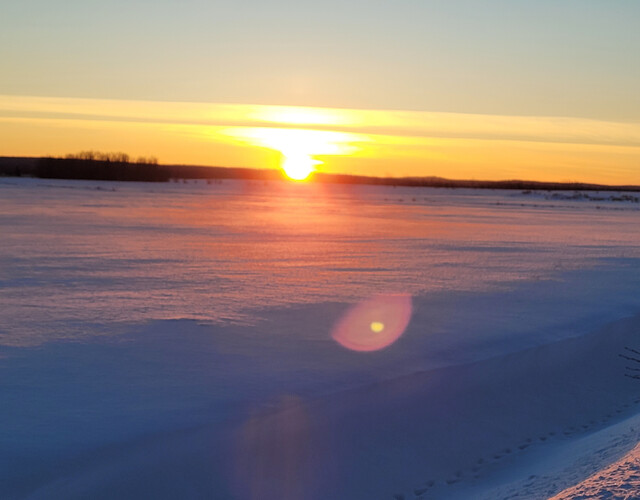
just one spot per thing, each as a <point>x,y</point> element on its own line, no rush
<point>179,341</point>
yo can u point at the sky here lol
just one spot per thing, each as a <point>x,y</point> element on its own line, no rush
<point>544,90</point>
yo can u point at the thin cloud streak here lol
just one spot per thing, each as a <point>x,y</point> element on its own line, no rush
<point>378,122</point>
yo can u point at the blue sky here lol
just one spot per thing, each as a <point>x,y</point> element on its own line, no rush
<point>554,58</point>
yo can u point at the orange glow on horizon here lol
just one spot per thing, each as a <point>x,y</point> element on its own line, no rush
<point>301,140</point>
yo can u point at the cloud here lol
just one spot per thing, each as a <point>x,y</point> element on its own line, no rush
<point>397,124</point>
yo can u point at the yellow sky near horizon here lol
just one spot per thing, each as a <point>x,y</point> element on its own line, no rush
<point>354,141</point>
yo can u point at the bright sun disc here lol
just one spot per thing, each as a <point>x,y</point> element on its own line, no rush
<point>298,167</point>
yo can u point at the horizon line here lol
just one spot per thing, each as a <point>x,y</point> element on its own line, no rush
<point>405,181</point>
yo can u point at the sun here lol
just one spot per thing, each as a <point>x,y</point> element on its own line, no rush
<point>298,167</point>
<point>298,148</point>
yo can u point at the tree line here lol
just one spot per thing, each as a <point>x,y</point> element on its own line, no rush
<point>95,165</point>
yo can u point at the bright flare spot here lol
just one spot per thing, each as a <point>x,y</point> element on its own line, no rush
<point>374,324</point>
<point>377,327</point>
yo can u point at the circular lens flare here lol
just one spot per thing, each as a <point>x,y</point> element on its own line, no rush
<point>375,323</point>
<point>274,453</point>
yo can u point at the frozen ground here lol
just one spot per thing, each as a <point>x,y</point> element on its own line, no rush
<point>174,341</point>
<point>620,480</point>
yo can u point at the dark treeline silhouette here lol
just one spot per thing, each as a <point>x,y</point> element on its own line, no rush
<point>93,165</point>
<point>15,166</point>
<point>198,172</point>
<point>441,182</point>
<point>119,167</point>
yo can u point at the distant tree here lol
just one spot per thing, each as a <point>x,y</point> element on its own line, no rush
<point>120,157</point>
<point>151,160</point>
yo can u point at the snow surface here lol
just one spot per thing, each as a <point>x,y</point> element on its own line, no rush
<point>621,480</point>
<point>174,341</point>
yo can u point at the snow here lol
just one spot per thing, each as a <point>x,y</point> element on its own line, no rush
<point>174,341</point>
<point>620,480</point>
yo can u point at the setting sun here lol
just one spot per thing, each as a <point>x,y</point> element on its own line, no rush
<point>298,167</point>
<point>300,148</point>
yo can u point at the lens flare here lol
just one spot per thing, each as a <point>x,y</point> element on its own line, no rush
<point>375,323</point>
<point>275,453</point>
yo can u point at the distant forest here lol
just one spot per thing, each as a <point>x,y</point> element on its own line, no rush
<point>92,165</point>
